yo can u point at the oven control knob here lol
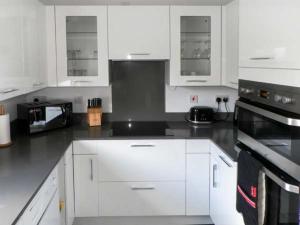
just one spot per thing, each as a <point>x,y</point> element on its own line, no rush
<point>278,98</point>
<point>287,100</point>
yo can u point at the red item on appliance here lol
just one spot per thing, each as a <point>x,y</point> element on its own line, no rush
<point>248,200</point>
<point>253,191</point>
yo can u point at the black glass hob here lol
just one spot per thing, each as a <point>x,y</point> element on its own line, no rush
<point>139,129</point>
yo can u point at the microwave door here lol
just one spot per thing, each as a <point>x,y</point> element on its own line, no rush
<point>54,116</point>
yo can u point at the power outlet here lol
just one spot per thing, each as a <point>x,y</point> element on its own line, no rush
<point>78,100</point>
<point>222,97</point>
<point>194,99</point>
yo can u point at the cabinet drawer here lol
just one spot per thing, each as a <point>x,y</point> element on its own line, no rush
<point>141,160</point>
<point>142,198</point>
<point>197,146</point>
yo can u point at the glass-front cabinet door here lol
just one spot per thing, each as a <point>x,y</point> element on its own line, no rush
<point>195,46</point>
<point>82,56</point>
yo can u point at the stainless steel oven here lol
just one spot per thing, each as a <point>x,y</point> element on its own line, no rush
<point>268,120</point>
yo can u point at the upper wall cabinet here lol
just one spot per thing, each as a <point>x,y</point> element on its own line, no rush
<point>138,32</point>
<point>269,34</point>
<point>82,55</point>
<point>195,46</point>
<point>230,46</point>
<point>22,58</point>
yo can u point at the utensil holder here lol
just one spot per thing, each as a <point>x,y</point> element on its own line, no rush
<point>5,139</point>
<point>94,116</point>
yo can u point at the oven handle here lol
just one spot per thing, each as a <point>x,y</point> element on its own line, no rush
<point>274,116</point>
<point>284,185</point>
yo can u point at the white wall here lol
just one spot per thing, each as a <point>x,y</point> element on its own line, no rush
<point>11,106</point>
<point>77,95</point>
<point>178,98</point>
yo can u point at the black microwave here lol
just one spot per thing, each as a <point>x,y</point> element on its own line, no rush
<point>35,117</point>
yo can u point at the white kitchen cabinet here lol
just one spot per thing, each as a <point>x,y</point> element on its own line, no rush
<point>141,160</point>
<point>82,46</point>
<point>69,186</point>
<point>195,46</point>
<point>223,189</point>
<point>142,198</point>
<point>86,185</point>
<point>22,58</point>
<point>230,44</point>
<point>138,32</point>
<point>269,34</point>
<point>197,184</point>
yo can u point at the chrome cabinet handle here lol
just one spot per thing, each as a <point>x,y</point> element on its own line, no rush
<point>92,171</point>
<point>274,116</point>
<point>261,58</point>
<point>142,188</point>
<point>8,90</point>
<point>196,81</point>
<point>142,146</point>
<point>140,53</point>
<point>81,81</point>
<point>215,167</point>
<point>225,161</point>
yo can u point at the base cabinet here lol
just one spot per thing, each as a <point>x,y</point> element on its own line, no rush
<point>86,185</point>
<point>197,184</point>
<point>69,186</point>
<point>223,190</point>
<point>142,198</point>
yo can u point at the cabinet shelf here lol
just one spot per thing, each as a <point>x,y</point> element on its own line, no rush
<point>194,32</point>
<point>83,32</point>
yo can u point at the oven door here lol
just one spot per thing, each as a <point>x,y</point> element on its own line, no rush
<point>273,134</point>
<point>265,194</point>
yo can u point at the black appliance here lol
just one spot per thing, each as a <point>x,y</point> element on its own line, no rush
<point>200,115</point>
<point>36,117</point>
<point>268,120</point>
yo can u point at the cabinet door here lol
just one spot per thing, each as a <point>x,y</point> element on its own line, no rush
<point>197,184</point>
<point>269,34</point>
<point>228,181</point>
<point>214,189</point>
<point>138,32</point>
<point>82,57</point>
<point>86,185</point>
<point>195,46</point>
<point>230,46</point>
<point>69,186</point>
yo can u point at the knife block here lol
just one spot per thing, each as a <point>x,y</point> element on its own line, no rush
<point>94,116</point>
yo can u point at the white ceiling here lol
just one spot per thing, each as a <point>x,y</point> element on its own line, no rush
<point>135,2</point>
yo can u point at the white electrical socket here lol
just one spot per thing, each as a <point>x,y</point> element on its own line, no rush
<point>78,100</point>
<point>194,99</point>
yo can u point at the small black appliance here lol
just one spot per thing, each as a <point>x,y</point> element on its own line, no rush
<point>35,117</point>
<point>200,115</point>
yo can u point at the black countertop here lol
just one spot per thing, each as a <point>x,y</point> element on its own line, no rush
<point>29,160</point>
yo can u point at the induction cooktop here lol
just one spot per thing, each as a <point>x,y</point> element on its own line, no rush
<point>140,129</point>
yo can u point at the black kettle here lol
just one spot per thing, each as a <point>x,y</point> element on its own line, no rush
<point>200,114</point>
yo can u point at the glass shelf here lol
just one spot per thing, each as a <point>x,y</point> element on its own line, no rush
<point>195,45</point>
<point>81,32</point>
<point>82,46</point>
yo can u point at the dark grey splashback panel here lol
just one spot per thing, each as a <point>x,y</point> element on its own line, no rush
<point>138,90</point>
